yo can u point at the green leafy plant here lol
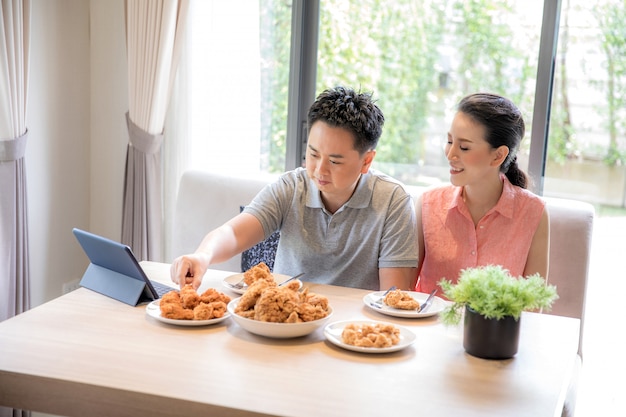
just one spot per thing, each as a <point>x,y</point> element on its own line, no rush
<point>492,292</point>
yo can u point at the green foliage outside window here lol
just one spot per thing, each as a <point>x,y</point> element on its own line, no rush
<point>400,51</point>
<point>389,49</point>
<point>611,15</point>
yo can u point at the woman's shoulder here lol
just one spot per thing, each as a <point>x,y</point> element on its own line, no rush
<point>521,201</point>
<point>525,195</point>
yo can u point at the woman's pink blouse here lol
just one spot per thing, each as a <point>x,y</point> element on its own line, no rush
<point>452,242</point>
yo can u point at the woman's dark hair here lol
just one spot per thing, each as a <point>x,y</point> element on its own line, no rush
<point>504,125</point>
<point>355,112</point>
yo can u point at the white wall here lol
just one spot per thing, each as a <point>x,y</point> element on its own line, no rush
<point>77,134</point>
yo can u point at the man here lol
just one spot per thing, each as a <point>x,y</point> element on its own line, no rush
<point>340,222</point>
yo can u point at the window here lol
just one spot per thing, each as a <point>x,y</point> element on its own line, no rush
<point>235,72</point>
<point>418,58</point>
<point>587,144</point>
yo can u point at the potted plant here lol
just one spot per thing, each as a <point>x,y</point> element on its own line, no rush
<point>493,301</point>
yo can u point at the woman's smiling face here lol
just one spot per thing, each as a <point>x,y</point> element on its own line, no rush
<point>470,156</point>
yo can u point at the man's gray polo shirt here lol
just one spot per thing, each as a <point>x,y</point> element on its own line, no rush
<point>374,229</point>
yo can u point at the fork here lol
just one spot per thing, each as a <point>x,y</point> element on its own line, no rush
<point>291,279</point>
<point>239,285</point>
<point>382,297</point>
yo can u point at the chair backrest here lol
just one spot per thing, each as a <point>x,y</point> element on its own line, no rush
<point>571,228</point>
<point>206,201</point>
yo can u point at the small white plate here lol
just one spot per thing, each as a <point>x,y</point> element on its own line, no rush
<point>231,280</point>
<point>436,306</point>
<point>333,335</point>
<point>153,310</point>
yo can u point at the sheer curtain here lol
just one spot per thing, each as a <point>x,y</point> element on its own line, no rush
<point>154,30</point>
<point>221,106</point>
<point>14,50</point>
<point>14,256</point>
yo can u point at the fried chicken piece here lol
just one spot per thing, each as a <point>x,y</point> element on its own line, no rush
<point>170,297</point>
<point>219,309</point>
<point>294,317</point>
<point>349,334</point>
<point>203,311</point>
<point>247,314</point>
<point>212,295</point>
<point>258,272</point>
<point>276,304</point>
<point>252,294</point>
<point>390,331</point>
<point>310,312</point>
<point>175,311</point>
<point>314,299</point>
<point>293,285</point>
<point>208,311</point>
<point>189,296</point>
<point>367,335</point>
<point>402,300</point>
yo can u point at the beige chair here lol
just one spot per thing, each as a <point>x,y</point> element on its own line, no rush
<point>206,201</point>
<point>571,227</point>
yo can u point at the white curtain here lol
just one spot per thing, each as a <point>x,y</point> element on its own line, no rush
<point>14,50</point>
<point>14,255</point>
<point>154,30</point>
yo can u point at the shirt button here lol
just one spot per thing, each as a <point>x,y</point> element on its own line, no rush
<point>473,252</point>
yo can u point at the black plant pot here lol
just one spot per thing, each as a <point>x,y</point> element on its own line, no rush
<point>490,338</point>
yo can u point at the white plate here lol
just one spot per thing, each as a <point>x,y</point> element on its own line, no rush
<point>436,306</point>
<point>277,330</point>
<point>333,335</point>
<point>153,310</point>
<point>233,279</point>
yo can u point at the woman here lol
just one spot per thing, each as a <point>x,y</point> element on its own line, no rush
<point>486,216</point>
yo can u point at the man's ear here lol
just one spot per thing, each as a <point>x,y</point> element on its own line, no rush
<point>500,155</point>
<point>367,161</point>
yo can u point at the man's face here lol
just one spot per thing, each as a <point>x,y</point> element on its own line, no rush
<point>333,163</point>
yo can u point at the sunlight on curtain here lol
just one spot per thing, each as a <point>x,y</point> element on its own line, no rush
<point>214,122</point>
<point>153,30</point>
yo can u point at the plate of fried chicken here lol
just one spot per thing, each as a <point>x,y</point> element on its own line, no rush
<point>400,303</point>
<point>367,336</point>
<point>189,308</point>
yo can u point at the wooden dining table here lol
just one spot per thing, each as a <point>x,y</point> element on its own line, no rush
<point>85,354</point>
